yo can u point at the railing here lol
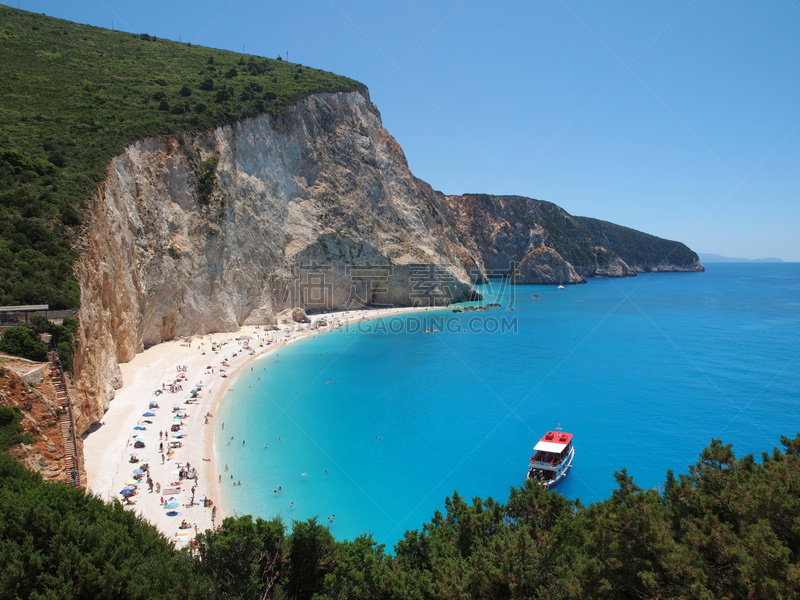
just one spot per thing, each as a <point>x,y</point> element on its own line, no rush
<point>69,436</point>
<point>550,463</point>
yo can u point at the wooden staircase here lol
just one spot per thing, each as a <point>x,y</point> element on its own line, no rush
<point>67,421</point>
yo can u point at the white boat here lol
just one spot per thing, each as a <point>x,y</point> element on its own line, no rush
<point>560,287</point>
<point>552,458</point>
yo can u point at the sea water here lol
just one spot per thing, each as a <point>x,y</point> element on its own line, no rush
<point>379,423</point>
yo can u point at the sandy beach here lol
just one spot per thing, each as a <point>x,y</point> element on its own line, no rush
<point>207,364</point>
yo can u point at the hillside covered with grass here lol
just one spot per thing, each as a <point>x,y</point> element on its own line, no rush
<point>73,96</point>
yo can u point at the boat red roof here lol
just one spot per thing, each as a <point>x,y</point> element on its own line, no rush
<point>557,437</point>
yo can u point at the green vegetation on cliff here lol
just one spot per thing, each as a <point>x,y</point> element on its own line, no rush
<point>637,248</point>
<point>730,528</point>
<point>73,96</point>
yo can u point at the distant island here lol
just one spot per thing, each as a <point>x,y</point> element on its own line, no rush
<point>718,258</point>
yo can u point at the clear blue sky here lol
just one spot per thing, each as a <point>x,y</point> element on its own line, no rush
<point>681,119</point>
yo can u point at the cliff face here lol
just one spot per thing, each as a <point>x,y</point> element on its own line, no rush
<point>643,252</point>
<point>535,241</point>
<point>316,208</point>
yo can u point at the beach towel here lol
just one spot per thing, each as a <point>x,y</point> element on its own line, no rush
<point>171,491</point>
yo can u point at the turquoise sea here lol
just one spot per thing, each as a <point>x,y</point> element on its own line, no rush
<point>643,371</point>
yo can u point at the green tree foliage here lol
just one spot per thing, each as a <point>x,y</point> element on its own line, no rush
<point>11,432</point>
<point>245,557</point>
<point>309,554</point>
<point>730,528</point>
<point>62,337</point>
<point>72,97</point>
<point>57,541</point>
<point>21,341</point>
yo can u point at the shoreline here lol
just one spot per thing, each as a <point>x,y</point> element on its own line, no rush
<point>107,448</point>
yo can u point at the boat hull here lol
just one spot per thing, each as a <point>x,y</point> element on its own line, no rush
<point>561,474</point>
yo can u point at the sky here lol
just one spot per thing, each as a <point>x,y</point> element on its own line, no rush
<point>680,119</point>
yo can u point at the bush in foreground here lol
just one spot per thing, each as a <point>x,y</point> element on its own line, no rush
<point>730,528</point>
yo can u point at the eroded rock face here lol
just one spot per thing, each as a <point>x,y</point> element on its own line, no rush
<point>315,209</point>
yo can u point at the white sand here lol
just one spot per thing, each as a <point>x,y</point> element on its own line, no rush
<point>108,450</point>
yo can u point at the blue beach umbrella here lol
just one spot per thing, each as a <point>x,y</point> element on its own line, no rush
<point>149,414</point>
<point>138,472</point>
<point>173,505</point>
<point>126,492</point>
<point>140,428</point>
<point>173,513</point>
<point>139,438</point>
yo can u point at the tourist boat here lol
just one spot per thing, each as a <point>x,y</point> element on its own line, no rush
<point>552,458</point>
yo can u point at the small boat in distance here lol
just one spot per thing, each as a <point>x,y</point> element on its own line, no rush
<point>552,458</point>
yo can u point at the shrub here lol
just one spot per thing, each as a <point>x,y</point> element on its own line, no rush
<point>164,105</point>
<point>11,430</point>
<point>66,351</point>
<point>222,96</point>
<point>206,178</point>
<point>185,91</point>
<point>21,341</point>
<point>200,108</point>
<point>70,323</point>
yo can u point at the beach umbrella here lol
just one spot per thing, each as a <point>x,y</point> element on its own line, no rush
<point>131,482</point>
<point>173,513</point>
<point>139,438</point>
<point>173,505</point>
<point>126,492</point>
<point>138,472</point>
<point>138,428</point>
<point>149,414</point>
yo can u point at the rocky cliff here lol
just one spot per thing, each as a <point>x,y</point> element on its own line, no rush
<point>315,208</point>
<point>538,242</point>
